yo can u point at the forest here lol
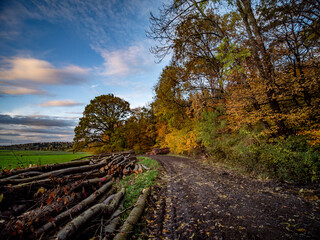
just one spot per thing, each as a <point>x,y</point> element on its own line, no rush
<point>242,88</point>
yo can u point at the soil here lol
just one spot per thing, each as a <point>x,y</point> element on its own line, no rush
<point>195,200</point>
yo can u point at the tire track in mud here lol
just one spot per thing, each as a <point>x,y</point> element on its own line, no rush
<point>198,201</point>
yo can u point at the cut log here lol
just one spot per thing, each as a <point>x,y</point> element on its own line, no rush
<point>133,217</point>
<point>68,198</point>
<point>38,202</point>
<point>115,160</point>
<point>75,186</point>
<point>54,173</point>
<point>65,179</point>
<point>114,221</point>
<point>146,168</point>
<point>48,167</point>
<point>156,151</point>
<point>136,168</point>
<point>101,208</point>
<point>48,209</point>
<point>106,195</point>
<point>74,210</point>
<point>23,175</point>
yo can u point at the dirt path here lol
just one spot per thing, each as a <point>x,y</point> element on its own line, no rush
<point>198,201</point>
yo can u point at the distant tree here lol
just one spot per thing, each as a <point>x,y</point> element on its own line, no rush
<point>102,123</point>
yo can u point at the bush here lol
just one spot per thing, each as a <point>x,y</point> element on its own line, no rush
<point>290,159</point>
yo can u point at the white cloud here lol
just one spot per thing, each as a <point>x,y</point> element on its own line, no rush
<point>60,103</point>
<point>135,59</point>
<point>14,90</point>
<point>94,86</point>
<point>26,75</point>
<point>40,71</point>
<point>136,99</point>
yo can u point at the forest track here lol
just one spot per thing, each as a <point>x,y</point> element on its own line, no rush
<point>200,201</point>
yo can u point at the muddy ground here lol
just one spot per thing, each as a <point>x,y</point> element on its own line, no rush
<point>194,200</point>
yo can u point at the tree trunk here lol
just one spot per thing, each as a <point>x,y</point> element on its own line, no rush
<point>74,210</point>
<point>49,167</point>
<point>54,173</point>
<point>101,208</point>
<point>133,217</point>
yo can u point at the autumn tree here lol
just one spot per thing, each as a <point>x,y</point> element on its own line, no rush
<point>102,123</point>
<point>258,59</point>
<point>140,130</point>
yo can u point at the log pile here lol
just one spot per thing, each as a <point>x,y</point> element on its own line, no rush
<point>157,151</point>
<point>61,201</point>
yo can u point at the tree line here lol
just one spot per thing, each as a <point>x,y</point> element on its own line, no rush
<point>243,85</point>
<point>43,146</point>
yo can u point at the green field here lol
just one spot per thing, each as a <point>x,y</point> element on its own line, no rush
<point>13,159</point>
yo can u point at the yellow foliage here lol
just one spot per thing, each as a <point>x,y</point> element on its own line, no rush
<point>313,135</point>
<point>162,131</point>
<point>182,141</point>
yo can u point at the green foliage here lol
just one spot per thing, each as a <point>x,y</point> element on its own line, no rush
<point>290,159</point>
<point>243,82</point>
<point>170,103</point>
<point>102,123</point>
<point>135,183</point>
<point>212,125</point>
<point>13,159</point>
<point>140,130</point>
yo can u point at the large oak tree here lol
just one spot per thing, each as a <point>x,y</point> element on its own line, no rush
<point>102,123</point>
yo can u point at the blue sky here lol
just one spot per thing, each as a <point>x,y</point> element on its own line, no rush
<point>55,56</point>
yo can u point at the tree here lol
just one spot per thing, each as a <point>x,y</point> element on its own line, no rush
<point>259,59</point>
<point>102,123</point>
<point>140,130</point>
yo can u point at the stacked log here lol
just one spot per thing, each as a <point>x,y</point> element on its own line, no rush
<point>157,151</point>
<point>61,200</point>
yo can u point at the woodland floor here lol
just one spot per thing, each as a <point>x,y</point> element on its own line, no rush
<point>200,201</point>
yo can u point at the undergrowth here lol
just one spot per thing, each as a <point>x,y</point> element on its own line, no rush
<point>291,159</point>
<point>135,183</point>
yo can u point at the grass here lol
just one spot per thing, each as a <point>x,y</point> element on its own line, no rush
<point>135,183</point>
<point>13,159</point>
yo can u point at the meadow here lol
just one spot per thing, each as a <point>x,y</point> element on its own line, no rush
<point>13,159</point>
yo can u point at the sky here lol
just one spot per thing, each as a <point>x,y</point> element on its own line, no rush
<point>55,56</point>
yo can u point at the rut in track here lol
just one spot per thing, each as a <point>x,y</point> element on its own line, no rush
<point>198,201</point>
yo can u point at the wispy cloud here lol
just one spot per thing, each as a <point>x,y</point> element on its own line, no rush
<point>22,76</point>
<point>52,131</point>
<point>40,71</point>
<point>100,19</point>
<point>32,128</point>
<point>60,103</point>
<point>132,60</point>
<point>44,121</point>
<point>14,90</point>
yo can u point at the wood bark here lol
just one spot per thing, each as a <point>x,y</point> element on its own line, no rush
<point>133,217</point>
<point>111,227</point>
<point>47,168</point>
<point>54,173</point>
<point>101,208</point>
<point>74,210</point>
<point>38,202</point>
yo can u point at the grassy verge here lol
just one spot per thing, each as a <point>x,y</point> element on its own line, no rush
<point>135,183</point>
<point>13,159</point>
